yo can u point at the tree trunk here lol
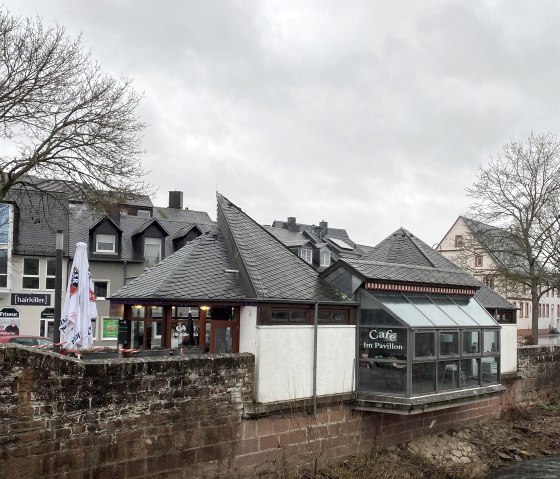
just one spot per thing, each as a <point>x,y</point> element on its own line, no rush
<point>535,298</point>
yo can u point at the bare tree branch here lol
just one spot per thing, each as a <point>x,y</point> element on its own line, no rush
<point>63,119</point>
<point>519,193</point>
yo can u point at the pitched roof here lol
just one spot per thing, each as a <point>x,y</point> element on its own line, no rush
<point>270,270</point>
<point>289,238</point>
<point>492,300</point>
<point>182,215</point>
<point>404,258</point>
<point>201,270</point>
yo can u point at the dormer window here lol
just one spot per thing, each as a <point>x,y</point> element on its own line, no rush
<point>105,243</point>
<point>152,252</point>
<point>325,258</point>
<point>306,254</point>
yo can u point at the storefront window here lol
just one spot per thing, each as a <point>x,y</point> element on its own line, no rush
<point>451,350</point>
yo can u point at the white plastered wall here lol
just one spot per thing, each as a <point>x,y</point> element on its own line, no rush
<point>508,348</point>
<point>284,361</point>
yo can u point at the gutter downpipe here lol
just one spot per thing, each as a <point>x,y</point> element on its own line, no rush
<point>315,324</point>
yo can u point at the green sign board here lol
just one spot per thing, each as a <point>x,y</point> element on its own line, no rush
<point>110,328</point>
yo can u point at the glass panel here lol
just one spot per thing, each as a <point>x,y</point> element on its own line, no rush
<point>137,312</point>
<point>100,289</point>
<point>339,316</point>
<point>51,266</point>
<point>471,342</point>
<point>423,378</point>
<point>222,340</point>
<point>456,315</point>
<point>489,370</point>
<point>437,316</point>
<point>469,376</point>
<point>30,283</point>
<point>3,261</point>
<point>137,334</point>
<point>373,314</point>
<point>383,343</point>
<point>297,317</point>
<point>382,377</point>
<point>4,223</point>
<point>449,343</point>
<point>105,243</point>
<point>490,341</point>
<point>406,311</point>
<point>323,316</point>
<point>279,316</point>
<point>152,251</point>
<point>476,312</point>
<point>31,266</point>
<point>49,283</point>
<point>449,374</point>
<point>424,344</point>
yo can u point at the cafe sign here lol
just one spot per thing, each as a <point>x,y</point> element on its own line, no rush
<point>382,339</point>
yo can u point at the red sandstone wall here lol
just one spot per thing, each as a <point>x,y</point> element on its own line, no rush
<point>177,418</point>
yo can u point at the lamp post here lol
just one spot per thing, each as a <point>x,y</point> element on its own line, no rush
<point>58,289</point>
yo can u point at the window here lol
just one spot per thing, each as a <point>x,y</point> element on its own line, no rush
<point>489,282</point>
<point>458,241</point>
<point>335,317</point>
<point>284,316</point>
<point>144,213</point>
<point>105,243</point>
<point>306,254</point>
<point>3,268</point>
<point>51,273</point>
<point>152,252</point>
<point>30,279</point>
<point>478,260</point>
<point>101,289</point>
<point>325,258</point>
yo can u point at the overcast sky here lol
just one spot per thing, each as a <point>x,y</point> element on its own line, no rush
<point>370,115</point>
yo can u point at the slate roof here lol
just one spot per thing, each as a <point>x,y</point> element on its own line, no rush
<point>182,215</point>
<point>402,257</point>
<point>38,216</point>
<point>492,300</point>
<point>195,272</point>
<point>289,238</point>
<point>82,219</point>
<point>270,270</point>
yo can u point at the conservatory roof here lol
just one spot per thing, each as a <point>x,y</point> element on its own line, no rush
<point>435,310</point>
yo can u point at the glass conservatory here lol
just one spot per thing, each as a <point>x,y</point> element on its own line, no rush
<point>416,348</point>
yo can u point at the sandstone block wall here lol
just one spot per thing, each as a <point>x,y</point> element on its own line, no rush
<point>184,418</point>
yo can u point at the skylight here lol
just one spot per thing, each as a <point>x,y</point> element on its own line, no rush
<point>340,243</point>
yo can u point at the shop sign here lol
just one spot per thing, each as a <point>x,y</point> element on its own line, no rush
<point>110,328</point>
<point>9,321</point>
<point>47,313</point>
<point>31,299</point>
<point>382,339</point>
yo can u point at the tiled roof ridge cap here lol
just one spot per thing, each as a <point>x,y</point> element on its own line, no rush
<point>222,200</point>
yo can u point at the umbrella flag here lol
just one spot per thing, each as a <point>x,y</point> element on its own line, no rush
<point>79,304</point>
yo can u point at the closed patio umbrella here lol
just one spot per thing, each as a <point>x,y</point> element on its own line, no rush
<point>79,303</point>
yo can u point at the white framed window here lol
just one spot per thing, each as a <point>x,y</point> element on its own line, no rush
<point>306,254</point>
<point>105,243</point>
<point>51,273</point>
<point>101,289</point>
<point>144,213</point>
<point>3,268</point>
<point>30,277</point>
<point>478,260</point>
<point>152,252</point>
<point>325,258</point>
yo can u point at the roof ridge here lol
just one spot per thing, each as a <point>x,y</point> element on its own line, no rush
<point>385,263</point>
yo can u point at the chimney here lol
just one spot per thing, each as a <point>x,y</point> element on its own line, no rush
<point>292,223</point>
<point>324,225</point>
<point>176,200</point>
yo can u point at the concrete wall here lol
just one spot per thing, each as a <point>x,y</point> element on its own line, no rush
<point>288,373</point>
<point>191,418</point>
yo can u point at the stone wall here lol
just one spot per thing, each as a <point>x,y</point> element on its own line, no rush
<point>185,418</point>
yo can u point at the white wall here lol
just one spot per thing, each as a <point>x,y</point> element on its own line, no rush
<point>248,329</point>
<point>284,361</point>
<point>508,348</point>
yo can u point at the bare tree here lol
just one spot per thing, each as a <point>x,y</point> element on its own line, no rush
<point>62,119</point>
<point>519,193</point>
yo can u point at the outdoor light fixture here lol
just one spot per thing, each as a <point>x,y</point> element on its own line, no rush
<point>205,308</point>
